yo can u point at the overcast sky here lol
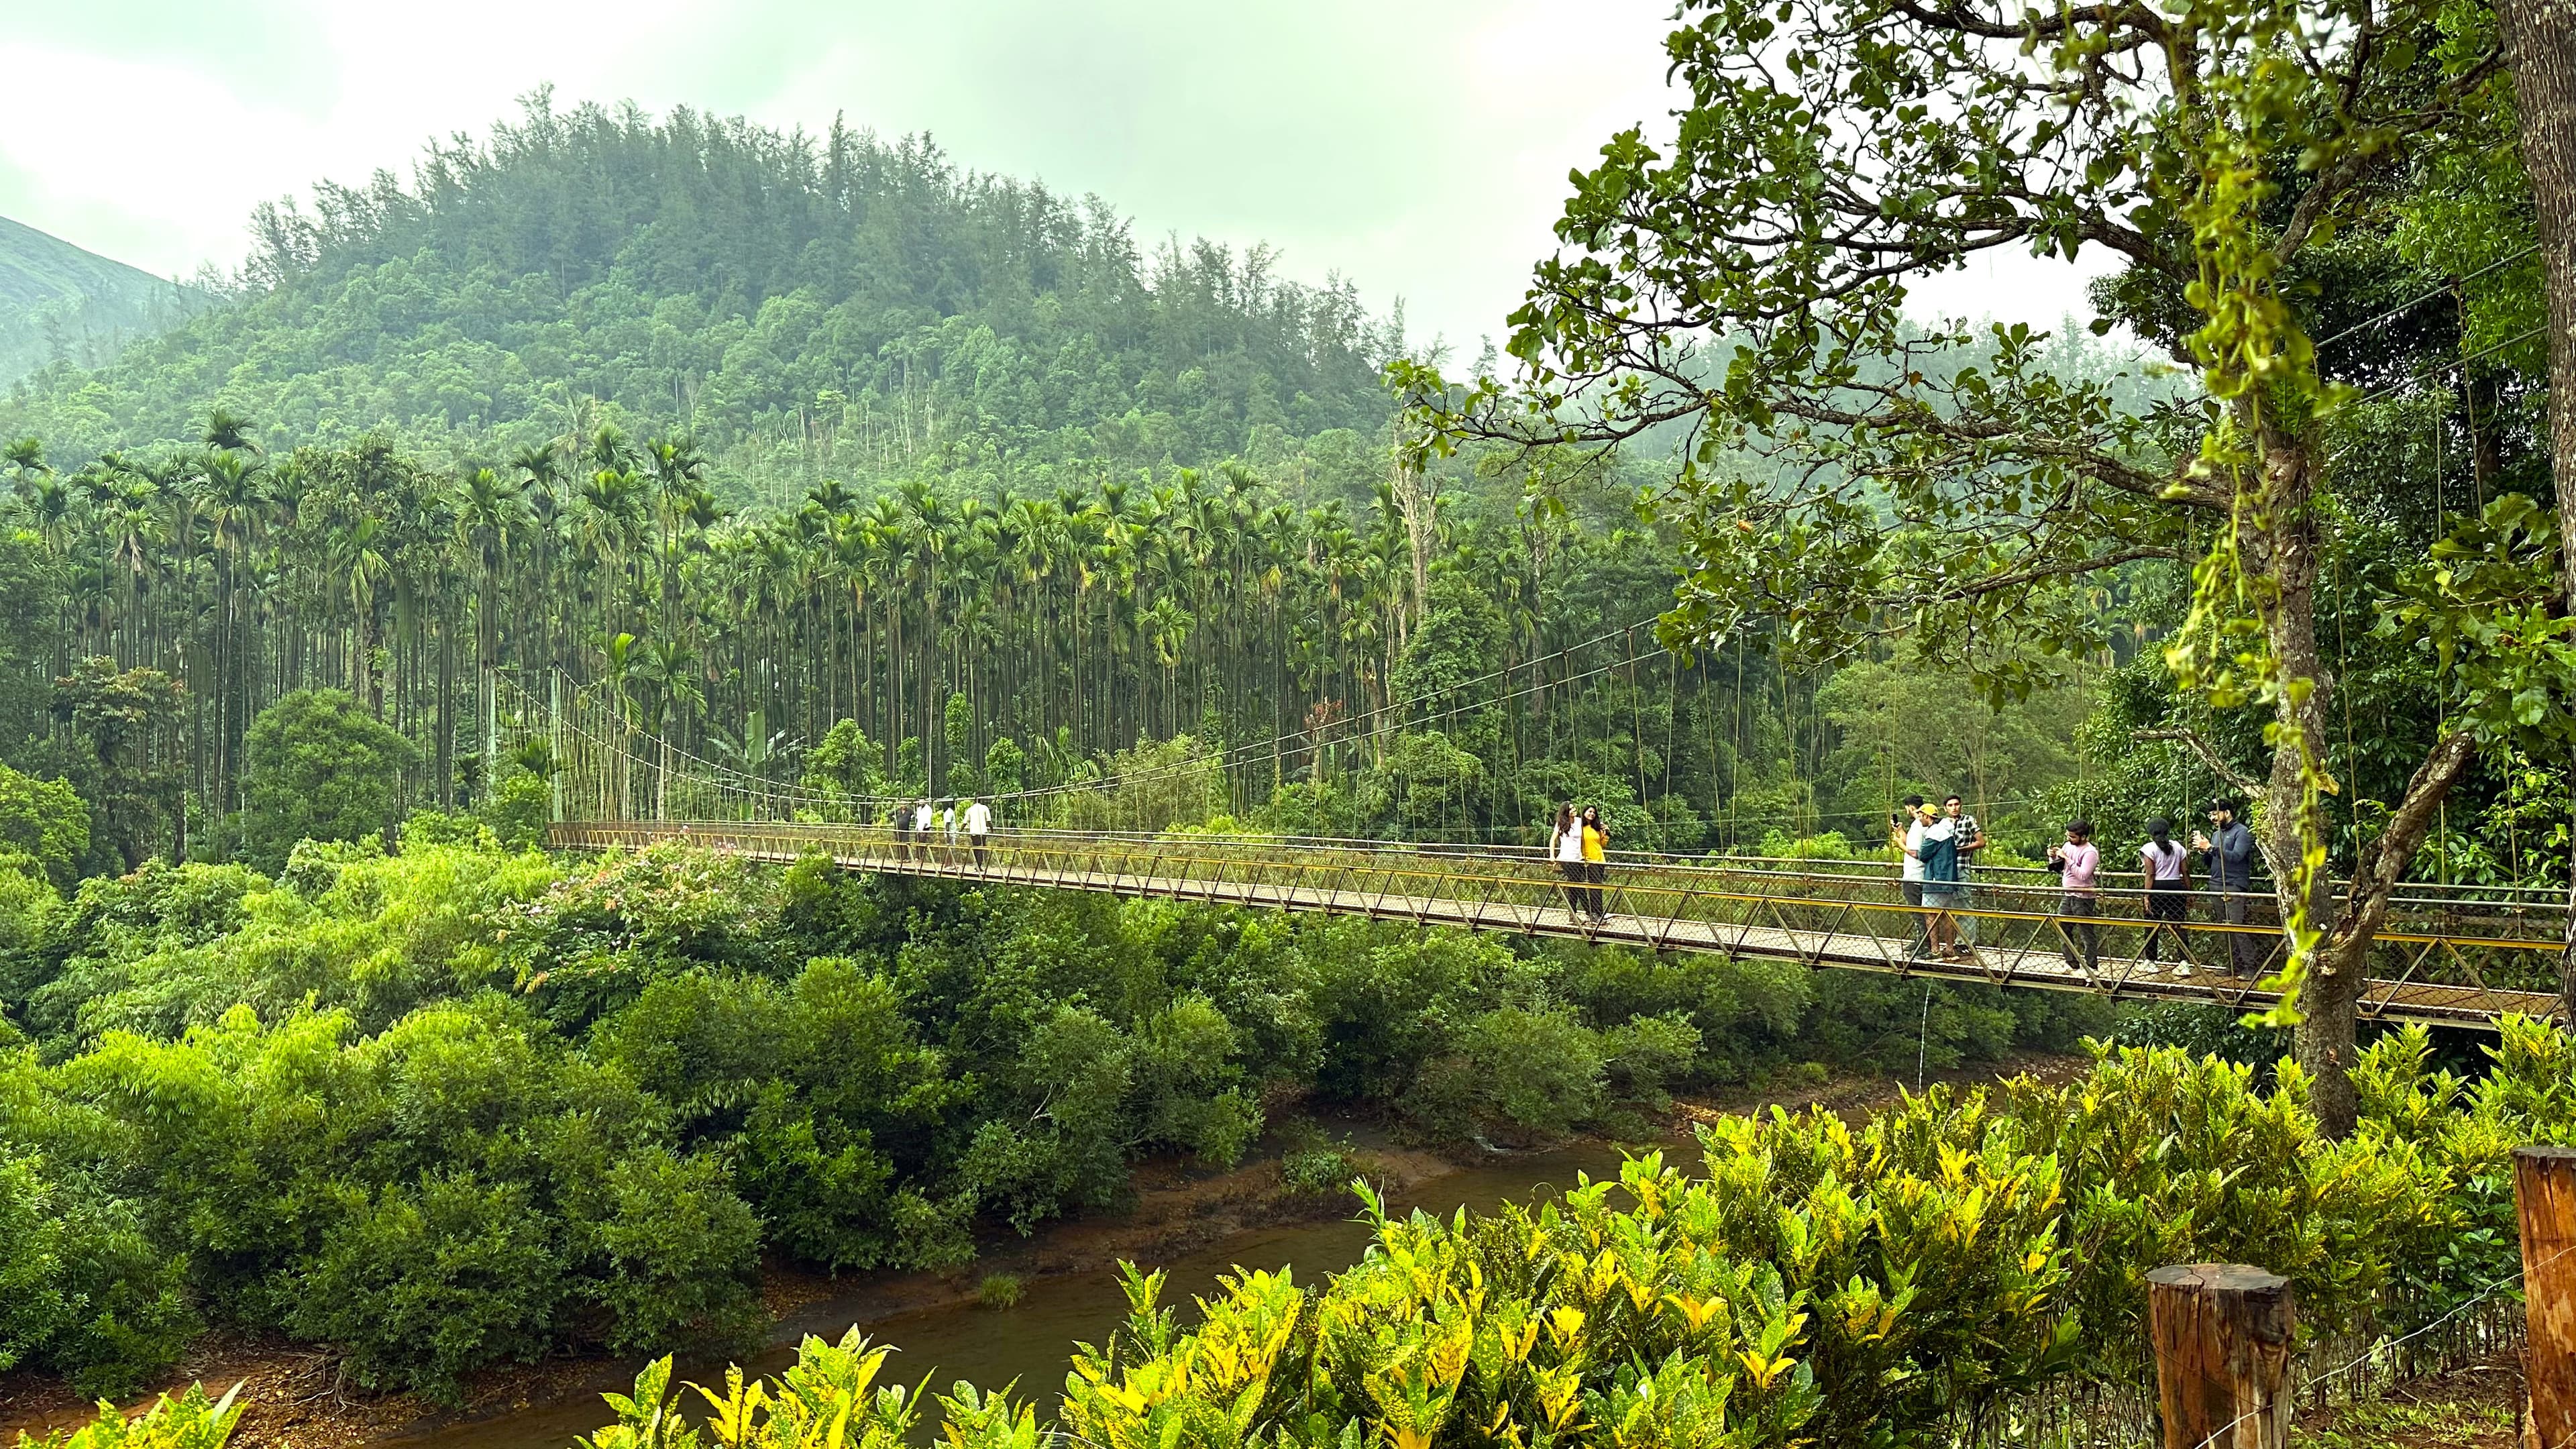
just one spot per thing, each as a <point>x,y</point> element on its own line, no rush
<point>1417,147</point>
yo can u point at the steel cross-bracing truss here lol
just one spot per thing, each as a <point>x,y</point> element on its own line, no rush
<point>2449,957</point>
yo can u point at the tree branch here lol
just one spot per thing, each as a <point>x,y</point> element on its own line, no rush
<point>2208,756</point>
<point>2382,863</point>
<point>2018,577</point>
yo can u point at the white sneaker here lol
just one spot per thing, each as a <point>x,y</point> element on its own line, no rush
<point>2182,973</point>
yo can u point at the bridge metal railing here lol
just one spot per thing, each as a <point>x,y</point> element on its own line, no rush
<point>2443,958</point>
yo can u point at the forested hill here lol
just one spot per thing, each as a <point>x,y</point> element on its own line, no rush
<point>60,303</point>
<point>802,305</point>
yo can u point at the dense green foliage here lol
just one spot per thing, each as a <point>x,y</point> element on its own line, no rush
<point>788,444</point>
<point>464,1105</point>
<point>1855,477</point>
<point>806,305</point>
<point>316,767</point>
<point>1891,1283</point>
<point>821,465</point>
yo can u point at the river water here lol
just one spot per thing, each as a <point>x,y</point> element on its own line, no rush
<point>1033,1341</point>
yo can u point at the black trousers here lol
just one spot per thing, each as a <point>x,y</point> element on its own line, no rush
<point>2166,901</point>
<point>982,845</point>
<point>1574,892</point>
<point>1594,872</point>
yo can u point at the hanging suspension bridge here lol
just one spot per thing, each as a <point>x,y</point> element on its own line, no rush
<point>1163,828</point>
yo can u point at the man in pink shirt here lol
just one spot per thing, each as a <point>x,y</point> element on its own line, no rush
<point>2079,864</point>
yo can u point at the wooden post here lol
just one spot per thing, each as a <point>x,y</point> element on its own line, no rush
<point>2222,1338</point>
<point>2544,1191</point>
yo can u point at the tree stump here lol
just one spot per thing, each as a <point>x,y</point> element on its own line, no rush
<point>2222,1338</point>
<point>2544,1192</point>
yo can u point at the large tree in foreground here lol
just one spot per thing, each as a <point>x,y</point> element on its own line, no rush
<point>1852,474</point>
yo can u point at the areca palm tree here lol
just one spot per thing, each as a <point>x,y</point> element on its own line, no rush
<point>228,431</point>
<point>360,569</point>
<point>489,514</point>
<point>26,460</point>
<point>668,672</point>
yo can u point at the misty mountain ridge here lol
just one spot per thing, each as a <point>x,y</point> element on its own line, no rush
<point>60,303</point>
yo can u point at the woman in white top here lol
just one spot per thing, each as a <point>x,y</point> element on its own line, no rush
<point>2167,866</point>
<point>1565,847</point>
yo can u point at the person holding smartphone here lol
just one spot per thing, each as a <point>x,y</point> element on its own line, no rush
<point>2079,894</point>
<point>1905,833</point>
<point>2229,859</point>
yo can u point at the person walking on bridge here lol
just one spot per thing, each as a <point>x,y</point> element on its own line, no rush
<point>2229,858</point>
<point>925,824</point>
<point>1596,862</point>
<point>979,832</point>
<point>1565,847</point>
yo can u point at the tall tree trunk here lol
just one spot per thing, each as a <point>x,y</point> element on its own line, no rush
<point>2283,535</point>
<point>2540,43</point>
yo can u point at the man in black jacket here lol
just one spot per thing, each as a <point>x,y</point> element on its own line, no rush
<point>2229,861</point>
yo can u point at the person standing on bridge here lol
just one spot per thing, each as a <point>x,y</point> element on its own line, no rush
<point>925,821</point>
<point>979,832</point>
<point>1565,847</point>
<point>1939,853</point>
<point>1905,832</point>
<point>2167,867</point>
<point>1970,838</point>
<point>1596,862</point>
<point>2230,862</point>
<point>2079,897</point>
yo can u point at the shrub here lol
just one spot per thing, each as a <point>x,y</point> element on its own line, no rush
<point>460,1189</point>
<point>521,805</point>
<point>1316,1165</point>
<point>420,1284</point>
<point>346,927</point>
<point>317,767</point>
<point>999,1290</point>
<point>82,1293</point>
<point>1646,1052</point>
<point>1522,1072</point>
<point>47,822</point>
<point>1817,1282</point>
<point>447,827</point>
<point>827,1397</point>
<point>682,1256</point>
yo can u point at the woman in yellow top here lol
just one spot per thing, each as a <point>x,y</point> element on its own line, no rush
<point>1596,855</point>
